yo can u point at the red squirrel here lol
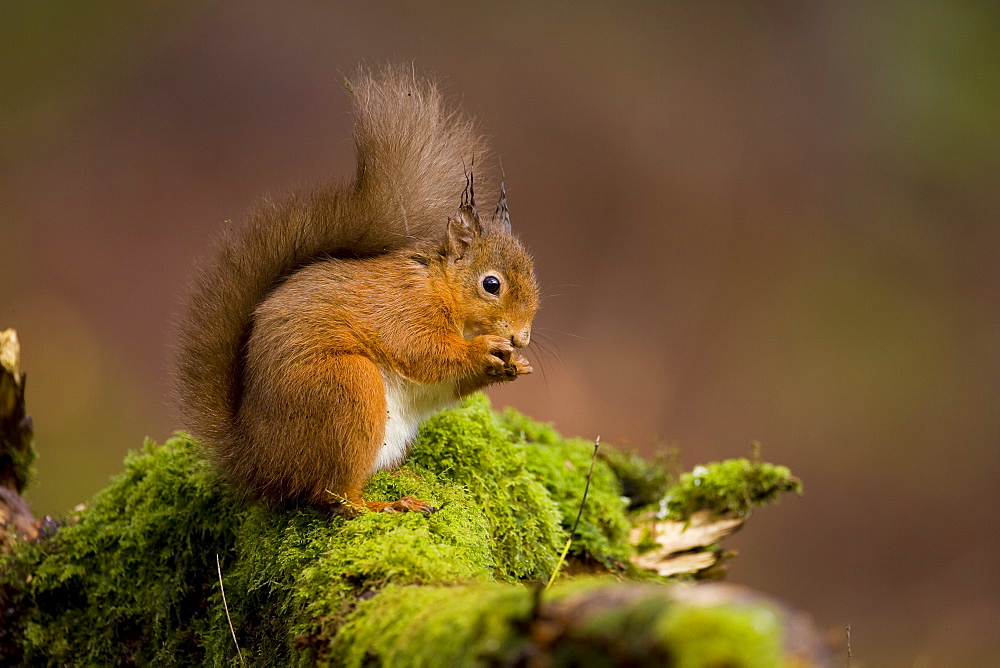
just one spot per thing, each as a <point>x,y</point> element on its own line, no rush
<point>324,330</point>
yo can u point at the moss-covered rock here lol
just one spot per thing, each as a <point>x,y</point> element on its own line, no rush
<point>134,577</point>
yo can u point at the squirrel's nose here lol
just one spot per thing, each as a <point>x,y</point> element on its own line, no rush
<point>521,339</point>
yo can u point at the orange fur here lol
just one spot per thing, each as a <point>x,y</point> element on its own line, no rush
<point>325,324</point>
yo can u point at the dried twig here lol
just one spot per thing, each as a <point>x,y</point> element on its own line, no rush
<point>579,514</point>
<point>226,606</point>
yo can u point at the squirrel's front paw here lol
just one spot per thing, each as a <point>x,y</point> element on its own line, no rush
<point>502,362</point>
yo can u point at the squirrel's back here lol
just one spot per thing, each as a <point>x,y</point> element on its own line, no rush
<point>411,151</point>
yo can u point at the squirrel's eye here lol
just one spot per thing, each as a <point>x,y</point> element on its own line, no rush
<point>491,284</point>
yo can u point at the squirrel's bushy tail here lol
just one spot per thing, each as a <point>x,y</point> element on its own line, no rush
<point>411,152</point>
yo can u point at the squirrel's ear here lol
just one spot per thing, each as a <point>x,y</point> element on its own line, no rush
<point>461,231</point>
<point>465,226</point>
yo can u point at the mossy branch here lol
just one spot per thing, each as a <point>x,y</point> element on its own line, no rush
<point>133,577</point>
<point>17,452</point>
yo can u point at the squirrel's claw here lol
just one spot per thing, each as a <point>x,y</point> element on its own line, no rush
<point>522,366</point>
<point>406,504</point>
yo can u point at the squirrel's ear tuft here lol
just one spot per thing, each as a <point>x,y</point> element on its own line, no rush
<point>501,216</point>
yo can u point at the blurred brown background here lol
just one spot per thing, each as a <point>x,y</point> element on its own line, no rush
<point>772,221</point>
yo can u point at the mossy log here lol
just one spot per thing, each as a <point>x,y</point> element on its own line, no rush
<point>169,565</point>
<point>17,453</point>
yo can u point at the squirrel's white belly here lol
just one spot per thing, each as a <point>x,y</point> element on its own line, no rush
<point>407,405</point>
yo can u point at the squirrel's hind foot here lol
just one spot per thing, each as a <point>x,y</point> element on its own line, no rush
<point>406,504</point>
<point>355,507</point>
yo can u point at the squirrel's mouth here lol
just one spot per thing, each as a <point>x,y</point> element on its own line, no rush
<point>517,339</point>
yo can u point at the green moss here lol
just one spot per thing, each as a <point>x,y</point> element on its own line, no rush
<point>133,577</point>
<point>734,486</point>
<point>562,466</point>
<point>746,635</point>
<point>527,430</point>
<point>643,482</point>
<point>602,534</point>
<point>433,626</point>
<point>127,576</point>
<point>470,444</point>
